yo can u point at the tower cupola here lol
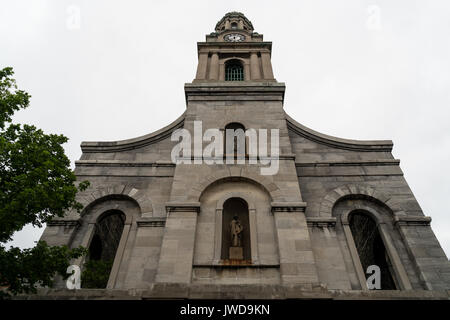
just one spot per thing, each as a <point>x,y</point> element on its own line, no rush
<point>234,21</point>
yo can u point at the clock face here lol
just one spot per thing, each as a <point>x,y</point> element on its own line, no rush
<point>234,37</point>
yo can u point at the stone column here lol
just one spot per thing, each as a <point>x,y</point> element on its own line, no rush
<point>254,66</point>
<point>201,68</point>
<point>253,235</point>
<point>214,67</point>
<point>221,71</point>
<point>297,263</point>
<point>177,250</point>
<point>218,236</point>
<point>267,66</point>
<point>246,71</point>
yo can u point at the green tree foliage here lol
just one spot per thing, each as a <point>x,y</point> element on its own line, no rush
<point>96,273</point>
<point>22,270</point>
<point>11,99</point>
<point>36,185</point>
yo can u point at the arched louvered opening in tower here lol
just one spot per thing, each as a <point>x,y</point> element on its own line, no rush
<point>234,71</point>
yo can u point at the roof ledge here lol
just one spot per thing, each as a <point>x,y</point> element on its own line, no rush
<point>129,144</point>
<point>335,142</point>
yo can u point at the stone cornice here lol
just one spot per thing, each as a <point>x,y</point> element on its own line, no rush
<point>321,221</point>
<point>183,207</point>
<point>122,163</point>
<point>286,156</point>
<point>382,162</point>
<point>412,221</point>
<point>226,90</point>
<point>234,47</point>
<point>288,206</point>
<point>235,265</point>
<point>151,222</point>
<point>65,223</point>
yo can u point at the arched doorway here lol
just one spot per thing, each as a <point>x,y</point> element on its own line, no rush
<point>235,230</point>
<point>371,248</point>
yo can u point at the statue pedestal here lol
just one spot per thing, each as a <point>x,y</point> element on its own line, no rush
<point>236,253</point>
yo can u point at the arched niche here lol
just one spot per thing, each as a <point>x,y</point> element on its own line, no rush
<point>263,248</point>
<point>224,212</point>
<point>236,230</point>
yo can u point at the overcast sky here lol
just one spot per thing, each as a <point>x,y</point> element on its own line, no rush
<point>113,70</point>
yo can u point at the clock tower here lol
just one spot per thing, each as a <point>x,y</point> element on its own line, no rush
<point>234,52</point>
<point>235,88</point>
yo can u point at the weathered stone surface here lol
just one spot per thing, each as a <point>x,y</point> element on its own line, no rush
<point>301,242</point>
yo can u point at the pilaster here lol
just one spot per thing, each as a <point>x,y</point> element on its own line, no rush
<point>177,251</point>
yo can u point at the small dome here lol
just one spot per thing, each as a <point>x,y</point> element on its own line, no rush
<point>234,20</point>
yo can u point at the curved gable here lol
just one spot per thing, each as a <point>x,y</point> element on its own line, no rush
<point>339,143</point>
<point>134,143</point>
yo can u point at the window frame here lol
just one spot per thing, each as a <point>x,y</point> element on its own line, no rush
<point>234,70</point>
<point>400,276</point>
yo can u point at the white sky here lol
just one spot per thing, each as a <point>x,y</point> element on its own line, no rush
<point>353,68</point>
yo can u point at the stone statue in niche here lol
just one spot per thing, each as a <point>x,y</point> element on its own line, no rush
<point>236,249</point>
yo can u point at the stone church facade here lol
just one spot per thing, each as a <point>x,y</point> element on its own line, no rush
<point>312,229</point>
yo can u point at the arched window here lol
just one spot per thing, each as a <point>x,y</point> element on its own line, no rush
<point>234,25</point>
<point>235,143</point>
<point>95,249</point>
<point>370,247</point>
<point>234,71</point>
<point>102,249</point>
<point>235,230</point>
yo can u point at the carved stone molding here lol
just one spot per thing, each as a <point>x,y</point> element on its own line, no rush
<point>332,197</point>
<point>321,222</point>
<point>65,223</point>
<point>183,207</point>
<point>153,222</point>
<point>288,206</point>
<point>116,191</point>
<point>412,221</point>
